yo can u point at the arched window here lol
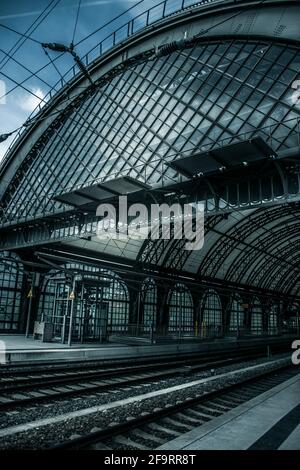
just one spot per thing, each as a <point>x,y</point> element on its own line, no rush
<point>273,320</point>
<point>237,314</point>
<point>149,301</point>
<point>181,316</point>
<point>53,304</point>
<point>101,302</point>
<point>256,317</point>
<point>11,280</point>
<point>211,314</point>
<point>117,295</point>
<point>211,308</point>
<point>293,320</point>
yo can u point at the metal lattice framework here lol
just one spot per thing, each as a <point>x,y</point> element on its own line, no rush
<point>155,111</point>
<point>239,233</point>
<point>154,104</point>
<point>242,265</point>
<point>169,253</point>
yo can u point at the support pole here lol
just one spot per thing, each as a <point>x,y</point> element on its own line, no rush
<point>102,319</point>
<point>138,312</point>
<point>64,321</point>
<point>180,318</point>
<point>30,306</point>
<point>82,314</point>
<point>71,315</point>
<point>28,317</point>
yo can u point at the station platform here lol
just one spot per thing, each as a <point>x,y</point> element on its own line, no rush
<point>17,349</point>
<point>270,421</point>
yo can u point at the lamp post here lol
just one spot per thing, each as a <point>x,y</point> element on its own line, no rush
<point>72,298</point>
<point>29,296</point>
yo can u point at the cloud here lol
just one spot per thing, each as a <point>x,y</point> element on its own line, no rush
<point>83,5</point>
<point>30,102</point>
<point>2,92</point>
<point>4,146</point>
<point>20,15</point>
<point>15,112</point>
<point>103,2</point>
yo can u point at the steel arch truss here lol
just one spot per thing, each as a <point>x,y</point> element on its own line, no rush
<point>171,253</point>
<point>236,236</point>
<point>275,240</point>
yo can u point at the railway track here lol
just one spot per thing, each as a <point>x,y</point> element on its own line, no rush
<point>152,429</point>
<point>20,391</point>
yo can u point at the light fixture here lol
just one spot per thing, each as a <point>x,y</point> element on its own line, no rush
<point>55,46</point>
<point>3,137</point>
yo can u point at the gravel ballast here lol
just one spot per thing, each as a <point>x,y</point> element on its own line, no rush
<point>47,436</point>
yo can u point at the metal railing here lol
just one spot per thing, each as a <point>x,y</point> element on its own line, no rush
<point>151,333</point>
<point>142,21</point>
<point>199,332</point>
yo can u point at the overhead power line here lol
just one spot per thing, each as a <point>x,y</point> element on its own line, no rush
<point>70,49</point>
<point>24,35</point>
<point>25,68</point>
<point>37,22</point>
<point>56,47</point>
<point>19,34</point>
<point>24,88</point>
<point>76,21</point>
<point>108,23</point>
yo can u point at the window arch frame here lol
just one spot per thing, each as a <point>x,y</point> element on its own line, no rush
<point>180,315</point>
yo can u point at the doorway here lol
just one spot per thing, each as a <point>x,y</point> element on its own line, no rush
<point>90,321</point>
<point>90,312</point>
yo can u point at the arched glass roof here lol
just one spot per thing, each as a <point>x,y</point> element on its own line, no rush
<point>154,112</point>
<point>209,92</point>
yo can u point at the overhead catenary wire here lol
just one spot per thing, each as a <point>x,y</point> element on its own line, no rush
<point>24,67</point>
<point>37,22</point>
<point>19,84</point>
<point>98,29</point>
<point>23,87</point>
<point>20,34</point>
<point>109,22</point>
<point>32,74</point>
<point>231,17</point>
<point>74,34</point>
<point>76,21</point>
<point>79,42</point>
<point>51,62</point>
<point>60,55</point>
<point>36,120</point>
<point>25,37</point>
<point>54,65</point>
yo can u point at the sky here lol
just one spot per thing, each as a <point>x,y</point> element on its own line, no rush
<point>48,21</point>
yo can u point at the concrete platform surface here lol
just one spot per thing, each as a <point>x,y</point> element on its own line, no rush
<point>19,349</point>
<point>268,422</point>
<point>20,342</point>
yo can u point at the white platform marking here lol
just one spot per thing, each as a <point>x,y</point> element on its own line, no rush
<point>241,427</point>
<point>293,441</point>
<point>96,409</point>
